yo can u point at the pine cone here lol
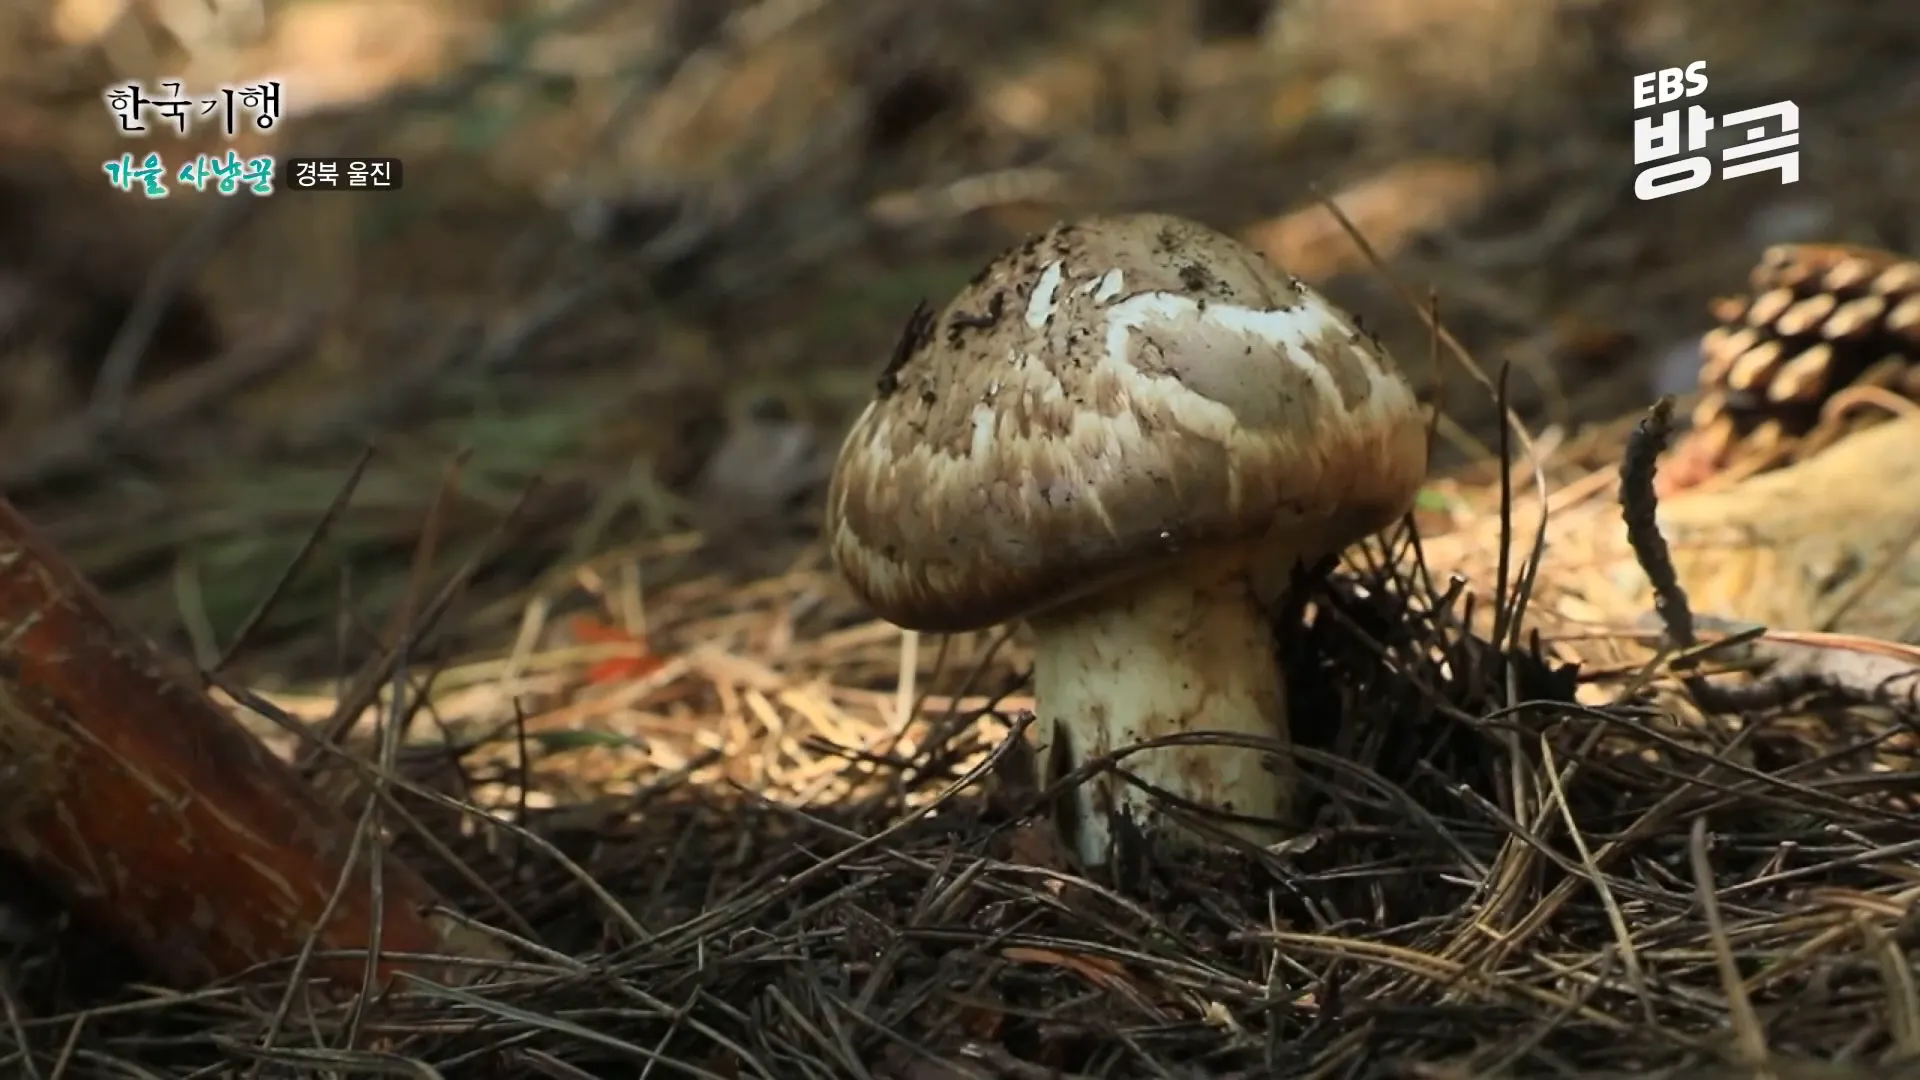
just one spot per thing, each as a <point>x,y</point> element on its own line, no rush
<point>1821,319</point>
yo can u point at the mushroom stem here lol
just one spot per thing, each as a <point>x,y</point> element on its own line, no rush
<point>1169,654</point>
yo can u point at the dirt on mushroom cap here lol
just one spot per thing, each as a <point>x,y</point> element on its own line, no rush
<point>1113,393</point>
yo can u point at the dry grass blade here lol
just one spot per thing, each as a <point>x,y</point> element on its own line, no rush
<point>299,560</point>
<point>1750,1042</point>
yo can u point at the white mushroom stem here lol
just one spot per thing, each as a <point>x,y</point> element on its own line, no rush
<point>1187,651</point>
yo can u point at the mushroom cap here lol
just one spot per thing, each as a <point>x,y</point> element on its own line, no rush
<point>1113,394</point>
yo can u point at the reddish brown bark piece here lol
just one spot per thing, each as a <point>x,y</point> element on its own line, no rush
<point>156,814</point>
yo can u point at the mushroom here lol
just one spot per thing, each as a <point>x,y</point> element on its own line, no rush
<point>1128,432</point>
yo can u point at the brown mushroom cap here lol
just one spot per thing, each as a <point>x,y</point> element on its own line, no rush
<point>1113,394</point>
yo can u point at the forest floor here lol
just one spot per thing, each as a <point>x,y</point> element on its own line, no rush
<point>548,427</point>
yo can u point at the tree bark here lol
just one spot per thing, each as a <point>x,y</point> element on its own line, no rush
<point>160,819</point>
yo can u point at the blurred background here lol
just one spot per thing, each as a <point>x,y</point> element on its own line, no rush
<point>653,253</point>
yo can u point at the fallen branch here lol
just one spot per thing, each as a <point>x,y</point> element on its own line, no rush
<point>162,820</point>
<point>1793,664</point>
